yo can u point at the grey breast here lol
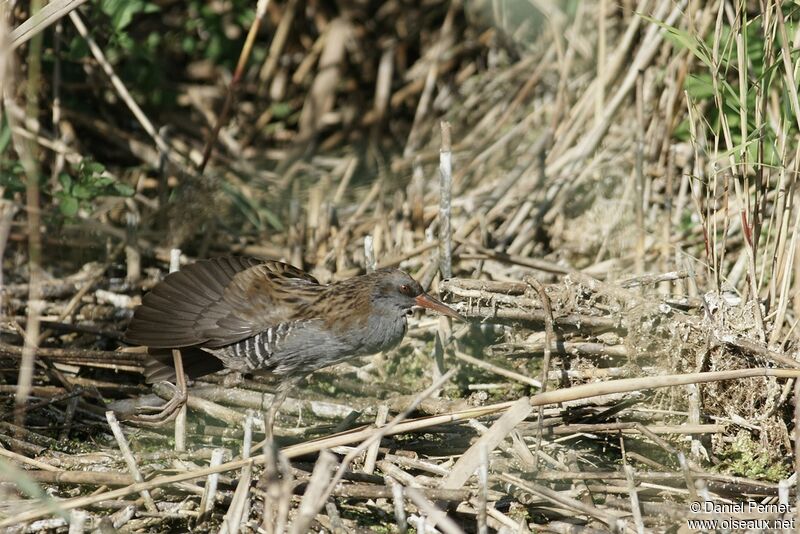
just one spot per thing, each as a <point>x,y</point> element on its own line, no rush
<point>382,332</point>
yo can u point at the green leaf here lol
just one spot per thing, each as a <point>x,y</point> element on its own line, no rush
<point>245,18</point>
<point>125,42</point>
<point>5,137</point>
<point>683,39</point>
<point>121,11</point>
<point>189,45</point>
<point>10,179</point>
<point>682,131</point>
<point>78,49</point>
<point>152,41</point>
<point>271,218</point>
<point>215,47</point>
<point>66,181</point>
<point>280,110</point>
<point>82,192</point>
<point>122,190</point>
<point>68,205</point>
<point>93,167</point>
<point>699,86</point>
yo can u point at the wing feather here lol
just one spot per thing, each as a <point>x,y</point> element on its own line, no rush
<point>213,303</point>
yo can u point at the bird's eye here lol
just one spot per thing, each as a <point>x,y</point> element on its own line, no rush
<point>405,290</point>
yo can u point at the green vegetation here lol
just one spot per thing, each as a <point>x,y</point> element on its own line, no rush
<point>748,458</point>
<point>89,182</point>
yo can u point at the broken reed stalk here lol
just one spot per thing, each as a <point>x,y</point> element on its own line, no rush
<point>549,339</point>
<point>398,502</point>
<point>77,521</point>
<point>33,26</point>
<point>372,452</point>
<point>8,210</point>
<point>315,495</point>
<point>116,429</point>
<point>496,369</point>
<point>445,259</point>
<point>278,498</point>
<point>483,493</point>
<point>444,522</point>
<point>133,259</point>
<point>247,439</point>
<point>60,159</point>
<point>445,191</point>
<point>209,496</point>
<point>27,152</point>
<point>634,496</point>
<point>236,512</point>
<point>369,254</point>
<point>240,504</point>
<point>639,185</point>
<point>337,526</point>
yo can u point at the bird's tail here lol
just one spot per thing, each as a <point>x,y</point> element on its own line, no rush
<point>196,363</point>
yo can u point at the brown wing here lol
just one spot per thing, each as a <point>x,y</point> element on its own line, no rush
<point>216,302</point>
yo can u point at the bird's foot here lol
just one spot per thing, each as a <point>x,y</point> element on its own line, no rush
<point>155,416</point>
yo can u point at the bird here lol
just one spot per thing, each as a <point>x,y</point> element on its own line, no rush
<point>265,316</point>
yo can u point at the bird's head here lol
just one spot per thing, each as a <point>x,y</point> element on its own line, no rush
<point>397,289</point>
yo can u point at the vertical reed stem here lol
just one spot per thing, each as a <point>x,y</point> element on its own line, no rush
<point>445,187</point>
<point>180,419</point>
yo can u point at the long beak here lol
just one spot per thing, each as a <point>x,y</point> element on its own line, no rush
<point>427,301</point>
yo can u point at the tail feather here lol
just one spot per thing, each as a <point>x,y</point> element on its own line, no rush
<point>196,363</point>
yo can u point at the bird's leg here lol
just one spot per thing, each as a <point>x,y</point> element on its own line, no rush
<point>274,406</point>
<point>272,412</point>
<point>169,410</point>
<point>180,376</point>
